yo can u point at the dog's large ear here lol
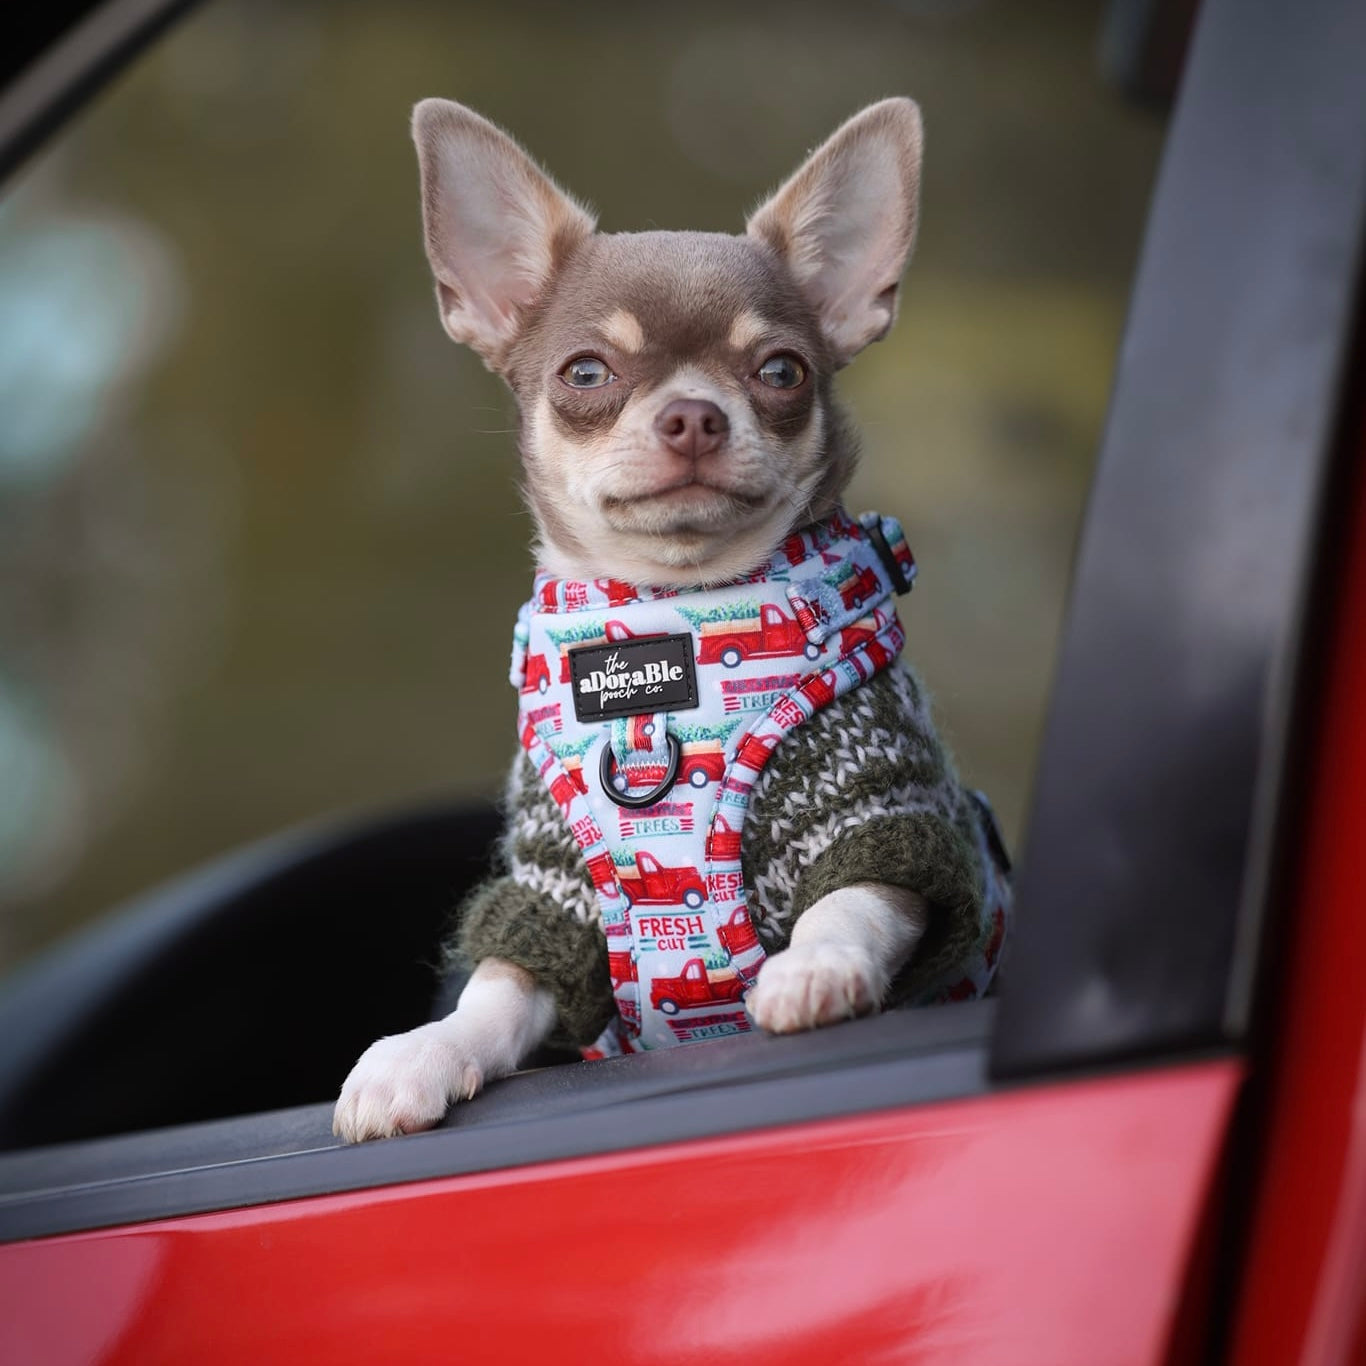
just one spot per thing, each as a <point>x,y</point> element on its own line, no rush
<point>845,222</point>
<point>496,226</point>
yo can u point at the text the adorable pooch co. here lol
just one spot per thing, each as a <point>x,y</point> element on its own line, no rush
<point>632,677</point>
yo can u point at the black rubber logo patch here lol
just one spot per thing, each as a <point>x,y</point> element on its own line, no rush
<point>632,677</point>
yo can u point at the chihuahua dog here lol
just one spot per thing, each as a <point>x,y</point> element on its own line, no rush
<point>677,425</point>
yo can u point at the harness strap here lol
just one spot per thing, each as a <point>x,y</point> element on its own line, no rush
<point>650,715</point>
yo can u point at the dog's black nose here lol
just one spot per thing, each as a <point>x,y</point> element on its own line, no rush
<point>693,427</point>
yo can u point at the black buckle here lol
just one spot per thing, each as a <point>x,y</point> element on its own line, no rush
<point>900,583</point>
<point>652,796</point>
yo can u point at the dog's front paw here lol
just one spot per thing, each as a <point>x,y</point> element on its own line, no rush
<point>404,1083</point>
<point>809,985</point>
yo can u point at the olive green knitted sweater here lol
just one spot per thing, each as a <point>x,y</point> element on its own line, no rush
<point>862,792</point>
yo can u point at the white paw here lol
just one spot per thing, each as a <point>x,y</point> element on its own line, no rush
<point>404,1083</point>
<point>809,985</point>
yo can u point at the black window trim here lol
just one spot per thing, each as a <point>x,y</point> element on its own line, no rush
<point>713,1089</point>
<point>1162,792</point>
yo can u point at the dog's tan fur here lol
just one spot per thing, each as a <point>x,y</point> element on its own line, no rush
<point>622,329</point>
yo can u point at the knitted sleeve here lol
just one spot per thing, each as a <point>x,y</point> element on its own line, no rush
<point>865,792</point>
<point>540,912</point>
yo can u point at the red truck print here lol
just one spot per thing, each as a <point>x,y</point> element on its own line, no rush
<point>616,630</point>
<point>602,871</point>
<point>754,750</point>
<point>858,633</point>
<point>573,765</point>
<point>564,787</point>
<point>878,655</point>
<point>695,986</point>
<point>618,594</point>
<point>644,775</point>
<point>859,588</point>
<point>771,635</point>
<point>702,762</point>
<point>737,935</point>
<point>723,842</point>
<point>621,967</point>
<point>537,674</point>
<point>649,883</point>
<point>820,688</point>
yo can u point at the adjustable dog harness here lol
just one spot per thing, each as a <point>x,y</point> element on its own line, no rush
<point>650,713</point>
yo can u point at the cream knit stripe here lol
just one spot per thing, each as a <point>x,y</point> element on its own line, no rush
<point>569,893</point>
<point>894,695</point>
<point>776,886</point>
<point>531,824</point>
<point>537,834</point>
<point>856,768</point>
<point>844,761</point>
<point>876,723</point>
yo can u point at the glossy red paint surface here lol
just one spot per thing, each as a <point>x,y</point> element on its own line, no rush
<point>1041,1227</point>
<point>1304,1292</point>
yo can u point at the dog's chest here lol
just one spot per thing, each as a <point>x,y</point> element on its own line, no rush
<point>650,715</point>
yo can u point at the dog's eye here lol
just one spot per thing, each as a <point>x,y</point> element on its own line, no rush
<point>588,372</point>
<point>781,372</point>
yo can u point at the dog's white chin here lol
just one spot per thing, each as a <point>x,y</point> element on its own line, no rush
<point>683,510</point>
<point>677,541</point>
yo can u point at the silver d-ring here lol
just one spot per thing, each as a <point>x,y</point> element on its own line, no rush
<point>652,796</point>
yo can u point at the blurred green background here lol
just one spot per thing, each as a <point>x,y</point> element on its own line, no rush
<point>260,540</point>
